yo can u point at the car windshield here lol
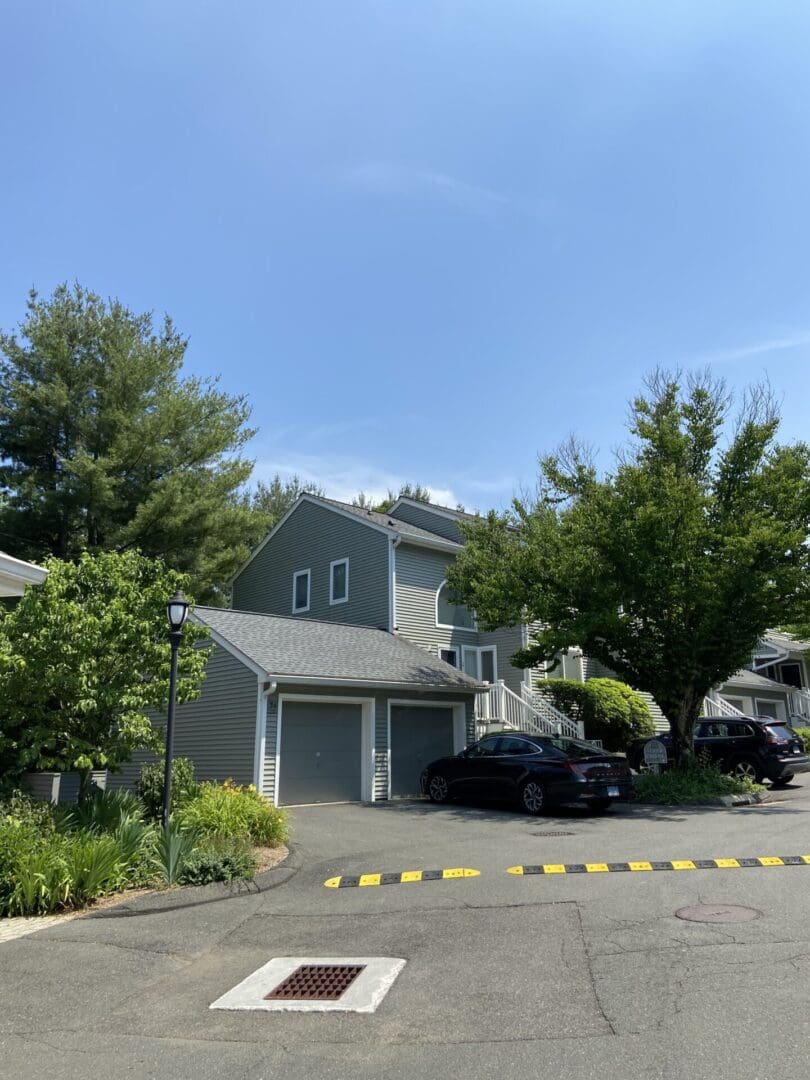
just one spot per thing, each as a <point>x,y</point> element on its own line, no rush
<point>571,748</point>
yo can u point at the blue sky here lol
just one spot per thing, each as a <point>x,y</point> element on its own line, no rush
<point>429,240</point>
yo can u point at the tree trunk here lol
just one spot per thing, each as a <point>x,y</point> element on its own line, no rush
<point>683,727</point>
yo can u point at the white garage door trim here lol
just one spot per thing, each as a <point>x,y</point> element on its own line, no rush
<point>366,738</point>
<point>459,724</point>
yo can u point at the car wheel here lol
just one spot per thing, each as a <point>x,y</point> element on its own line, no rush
<point>438,790</point>
<point>785,778</point>
<point>747,769</point>
<point>532,797</point>
<point>600,806</point>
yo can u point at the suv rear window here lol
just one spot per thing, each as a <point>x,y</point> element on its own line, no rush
<point>780,731</point>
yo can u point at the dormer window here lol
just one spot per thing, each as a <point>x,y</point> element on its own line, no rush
<point>450,612</point>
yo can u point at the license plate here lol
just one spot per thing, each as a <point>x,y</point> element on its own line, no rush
<point>796,750</point>
<point>614,791</point>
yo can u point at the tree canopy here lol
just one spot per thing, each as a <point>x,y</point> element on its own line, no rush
<point>83,657</point>
<point>269,502</point>
<point>104,446</point>
<point>668,568</point>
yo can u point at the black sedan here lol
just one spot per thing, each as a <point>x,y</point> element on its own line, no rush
<point>536,771</point>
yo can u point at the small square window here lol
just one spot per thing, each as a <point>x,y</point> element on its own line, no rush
<point>450,656</point>
<point>339,581</point>
<point>300,591</point>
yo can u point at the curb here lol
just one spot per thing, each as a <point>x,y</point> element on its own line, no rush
<point>724,802</point>
<point>162,900</point>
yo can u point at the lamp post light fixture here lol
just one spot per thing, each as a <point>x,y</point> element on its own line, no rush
<point>177,613</point>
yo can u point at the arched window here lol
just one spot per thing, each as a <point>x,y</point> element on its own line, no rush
<point>450,612</point>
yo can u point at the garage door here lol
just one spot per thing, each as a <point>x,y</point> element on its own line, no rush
<point>418,735</point>
<point>320,759</point>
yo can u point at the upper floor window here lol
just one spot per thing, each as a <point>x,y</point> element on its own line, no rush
<point>300,591</point>
<point>450,612</point>
<point>339,581</point>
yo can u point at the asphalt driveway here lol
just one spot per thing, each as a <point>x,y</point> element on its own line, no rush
<point>575,975</point>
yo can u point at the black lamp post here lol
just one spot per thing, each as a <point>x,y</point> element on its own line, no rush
<point>177,612</point>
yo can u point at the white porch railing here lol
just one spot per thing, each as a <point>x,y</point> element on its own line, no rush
<point>714,705</point>
<point>574,729</point>
<point>499,704</point>
<point>800,703</point>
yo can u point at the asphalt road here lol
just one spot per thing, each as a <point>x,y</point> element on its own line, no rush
<point>572,975</point>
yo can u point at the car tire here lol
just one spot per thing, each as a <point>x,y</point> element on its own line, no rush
<point>438,789</point>
<point>533,798</point>
<point>747,769</point>
<point>785,778</point>
<point>600,806</point>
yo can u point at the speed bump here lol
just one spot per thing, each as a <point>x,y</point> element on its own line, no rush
<point>404,877</point>
<point>642,866</point>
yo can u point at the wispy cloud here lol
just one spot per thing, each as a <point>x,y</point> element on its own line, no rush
<point>344,478</point>
<point>390,178</point>
<point>756,348</point>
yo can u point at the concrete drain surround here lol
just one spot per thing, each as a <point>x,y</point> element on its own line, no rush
<point>718,913</point>
<point>315,984</point>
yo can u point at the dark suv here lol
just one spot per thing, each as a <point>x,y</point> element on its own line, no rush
<point>760,748</point>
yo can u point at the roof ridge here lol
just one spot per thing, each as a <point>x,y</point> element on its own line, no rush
<point>293,618</point>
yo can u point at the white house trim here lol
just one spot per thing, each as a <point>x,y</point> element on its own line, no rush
<point>451,626</point>
<point>366,740</point>
<point>308,575</point>
<point>260,738</point>
<point>392,583</point>
<point>15,575</point>
<point>341,599</point>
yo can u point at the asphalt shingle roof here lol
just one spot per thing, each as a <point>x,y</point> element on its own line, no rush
<point>307,647</point>
<point>405,528</point>
<point>753,680</point>
<point>785,641</point>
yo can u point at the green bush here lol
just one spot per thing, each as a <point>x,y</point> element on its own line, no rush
<point>237,812</point>
<point>804,735</point>
<point>690,783</point>
<point>100,812</point>
<point>610,710</point>
<point>218,860</point>
<point>149,786</point>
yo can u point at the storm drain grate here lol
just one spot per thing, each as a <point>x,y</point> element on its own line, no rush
<point>316,982</point>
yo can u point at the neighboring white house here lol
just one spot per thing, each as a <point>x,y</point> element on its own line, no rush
<point>16,574</point>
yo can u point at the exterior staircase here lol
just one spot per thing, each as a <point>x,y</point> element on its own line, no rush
<point>500,707</point>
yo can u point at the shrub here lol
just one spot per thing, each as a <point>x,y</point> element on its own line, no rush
<point>100,812</point>
<point>173,848</point>
<point>240,813</point>
<point>804,735</point>
<point>690,783</point>
<point>149,786</point>
<point>610,710</point>
<point>218,860</point>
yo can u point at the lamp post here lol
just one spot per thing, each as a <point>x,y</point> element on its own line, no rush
<point>176,612</point>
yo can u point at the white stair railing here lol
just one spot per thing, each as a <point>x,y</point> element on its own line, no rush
<point>574,729</point>
<point>499,704</point>
<point>800,703</point>
<point>714,705</point>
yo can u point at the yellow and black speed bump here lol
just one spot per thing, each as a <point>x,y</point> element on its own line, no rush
<point>405,877</point>
<point>677,864</point>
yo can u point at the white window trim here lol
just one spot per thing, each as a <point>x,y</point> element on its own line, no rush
<point>449,648</point>
<point>296,576</point>
<point>332,565</point>
<point>769,701</point>
<point>450,626</point>
<point>479,649</point>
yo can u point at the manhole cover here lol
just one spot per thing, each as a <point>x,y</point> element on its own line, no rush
<point>553,832</point>
<point>717,913</point>
<point>316,982</point>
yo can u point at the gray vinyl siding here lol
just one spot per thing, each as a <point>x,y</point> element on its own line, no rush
<point>312,538</point>
<point>217,731</point>
<point>507,641</point>
<point>380,725</point>
<point>424,518</point>
<point>419,573</point>
<point>594,669</point>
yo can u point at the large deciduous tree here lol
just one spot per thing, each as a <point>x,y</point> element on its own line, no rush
<point>669,567</point>
<point>83,657</point>
<point>104,446</point>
